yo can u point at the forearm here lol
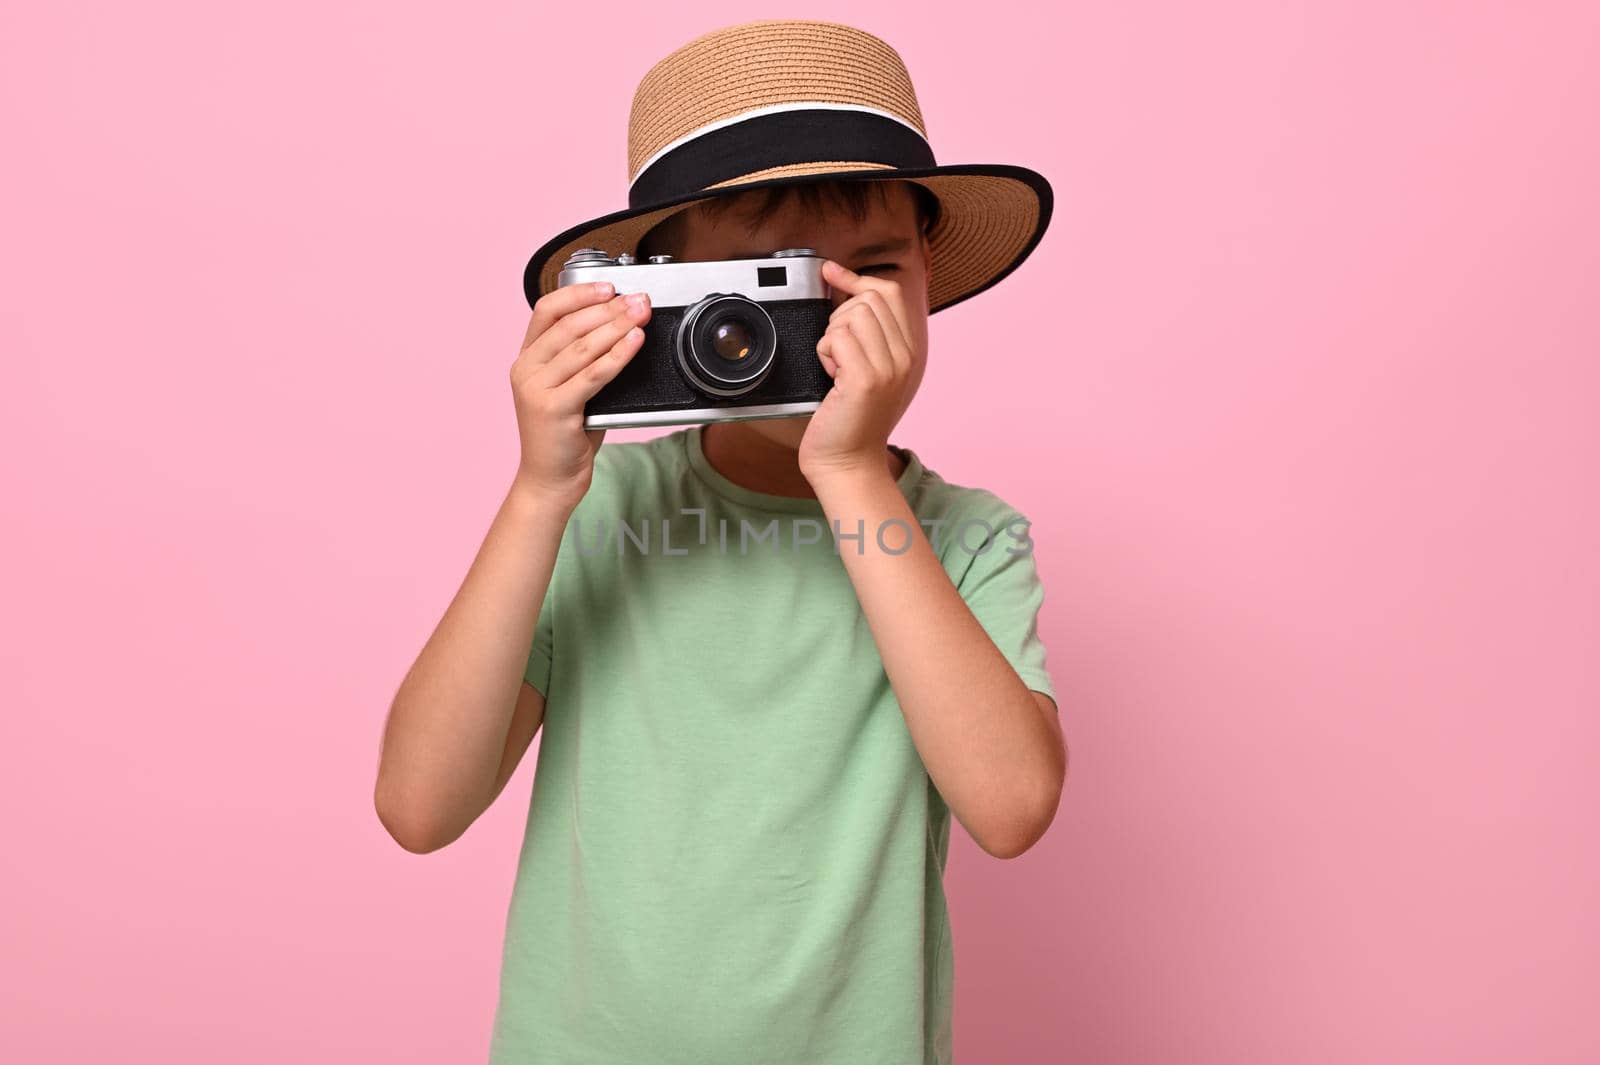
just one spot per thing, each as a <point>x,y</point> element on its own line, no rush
<point>990,751</point>
<point>447,729</point>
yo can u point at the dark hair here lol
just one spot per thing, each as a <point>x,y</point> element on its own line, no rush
<point>855,197</point>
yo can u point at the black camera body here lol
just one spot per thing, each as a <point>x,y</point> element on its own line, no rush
<point>727,339</point>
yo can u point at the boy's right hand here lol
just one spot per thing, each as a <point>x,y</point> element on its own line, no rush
<point>580,337</point>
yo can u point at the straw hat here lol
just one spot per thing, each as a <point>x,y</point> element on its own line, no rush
<point>785,102</point>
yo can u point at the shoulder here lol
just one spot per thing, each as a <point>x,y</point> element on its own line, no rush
<point>969,525</point>
<point>936,498</point>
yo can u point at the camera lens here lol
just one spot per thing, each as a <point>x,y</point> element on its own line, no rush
<point>731,340</point>
<point>726,344</point>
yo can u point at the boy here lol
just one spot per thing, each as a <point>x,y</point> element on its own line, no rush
<point>771,657</point>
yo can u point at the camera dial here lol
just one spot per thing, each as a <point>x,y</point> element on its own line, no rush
<point>587,257</point>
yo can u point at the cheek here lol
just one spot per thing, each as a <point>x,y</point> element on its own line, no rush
<point>917,312</point>
<point>786,431</point>
<point>917,293</point>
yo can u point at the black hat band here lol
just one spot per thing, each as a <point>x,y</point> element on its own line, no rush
<point>780,138</point>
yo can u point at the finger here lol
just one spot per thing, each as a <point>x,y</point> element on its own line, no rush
<point>829,367</point>
<point>567,328</point>
<point>557,302</point>
<point>890,308</point>
<point>580,323</point>
<point>534,358</point>
<point>899,354</point>
<point>842,277</point>
<point>591,345</point>
<point>851,362</point>
<point>863,324</point>
<point>847,280</point>
<point>581,387</point>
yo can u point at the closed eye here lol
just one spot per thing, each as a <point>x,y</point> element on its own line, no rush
<point>878,266</point>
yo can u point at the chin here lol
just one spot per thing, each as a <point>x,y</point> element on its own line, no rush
<point>785,431</point>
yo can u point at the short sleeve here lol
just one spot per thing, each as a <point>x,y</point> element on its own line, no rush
<point>1001,587</point>
<point>540,654</point>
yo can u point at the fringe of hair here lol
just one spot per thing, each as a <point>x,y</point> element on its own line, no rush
<point>753,206</point>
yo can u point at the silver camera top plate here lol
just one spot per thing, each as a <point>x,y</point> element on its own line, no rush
<point>791,275</point>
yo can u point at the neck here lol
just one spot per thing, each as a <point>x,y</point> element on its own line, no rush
<point>754,461</point>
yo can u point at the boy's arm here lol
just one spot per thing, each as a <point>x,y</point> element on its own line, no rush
<point>463,715</point>
<point>992,746</point>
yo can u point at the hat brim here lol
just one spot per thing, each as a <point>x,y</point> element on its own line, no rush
<point>992,215</point>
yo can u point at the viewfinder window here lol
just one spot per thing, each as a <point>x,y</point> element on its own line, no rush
<point>771,276</point>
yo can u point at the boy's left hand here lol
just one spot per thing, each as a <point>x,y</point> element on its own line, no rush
<point>876,360</point>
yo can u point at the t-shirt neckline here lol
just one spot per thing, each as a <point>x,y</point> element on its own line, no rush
<point>749,497</point>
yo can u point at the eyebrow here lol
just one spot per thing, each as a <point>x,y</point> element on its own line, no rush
<point>883,247</point>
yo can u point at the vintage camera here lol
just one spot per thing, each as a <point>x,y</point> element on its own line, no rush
<point>727,339</point>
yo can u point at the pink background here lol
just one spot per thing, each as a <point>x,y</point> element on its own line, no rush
<point>1313,482</point>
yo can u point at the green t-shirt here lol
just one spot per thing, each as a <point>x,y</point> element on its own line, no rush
<point>734,853</point>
